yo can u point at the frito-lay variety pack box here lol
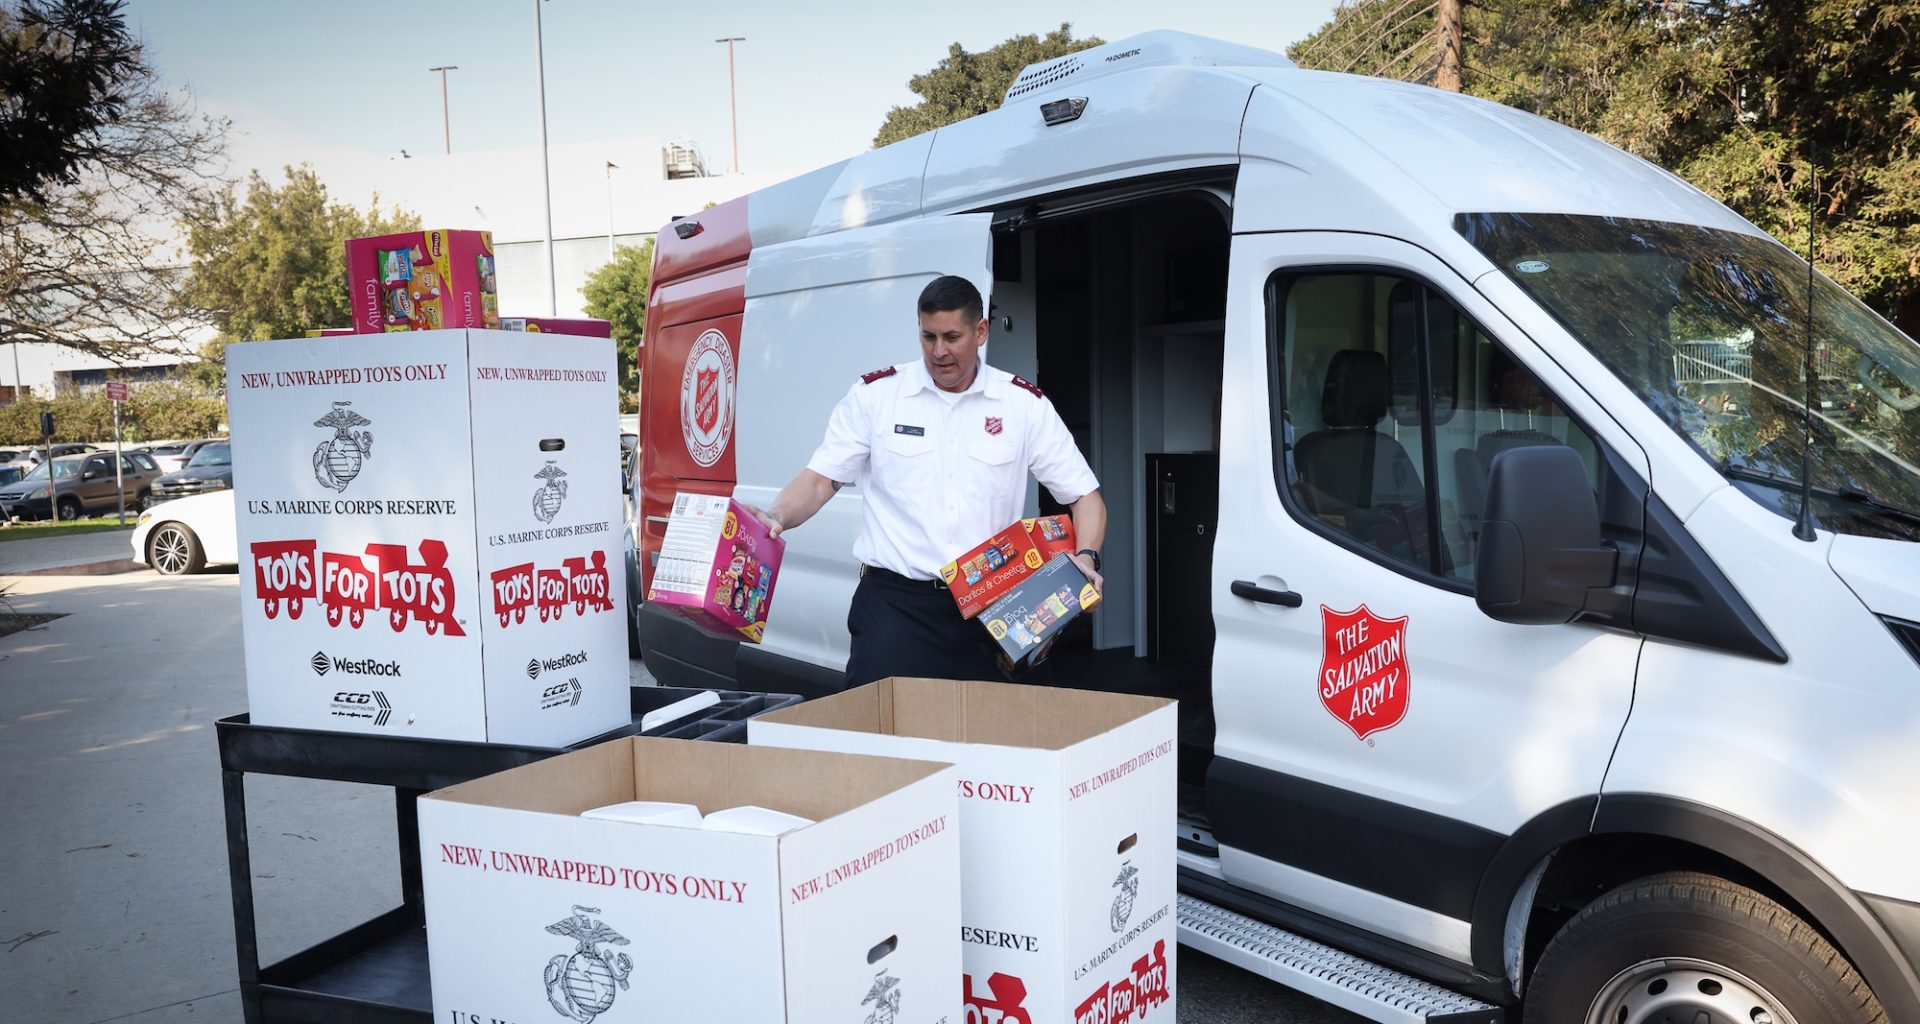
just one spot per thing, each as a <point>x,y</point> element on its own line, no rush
<point>430,535</point>
<point>717,565</point>
<point>422,281</point>
<point>1025,619</point>
<point>533,910</point>
<point>1067,832</point>
<point>586,327</point>
<point>976,578</point>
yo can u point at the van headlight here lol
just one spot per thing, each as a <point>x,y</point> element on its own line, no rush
<point>1908,633</point>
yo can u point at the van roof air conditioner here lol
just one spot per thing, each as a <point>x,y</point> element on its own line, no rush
<point>1148,49</point>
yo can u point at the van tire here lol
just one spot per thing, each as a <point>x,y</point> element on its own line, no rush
<point>1703,943</point>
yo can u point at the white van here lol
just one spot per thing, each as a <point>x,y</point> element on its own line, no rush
<point>1453,459</point>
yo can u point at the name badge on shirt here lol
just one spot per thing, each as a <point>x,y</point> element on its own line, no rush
<point>902,428</point>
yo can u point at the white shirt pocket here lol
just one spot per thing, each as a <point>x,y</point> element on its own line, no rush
<point>906,466</point>
<point>994,470</point>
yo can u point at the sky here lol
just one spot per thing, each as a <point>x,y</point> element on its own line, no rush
<point>307,81</point>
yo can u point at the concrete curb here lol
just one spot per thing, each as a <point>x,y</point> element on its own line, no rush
<point>111,567</point>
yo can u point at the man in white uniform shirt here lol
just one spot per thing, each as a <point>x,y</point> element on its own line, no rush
<point>941,447</point>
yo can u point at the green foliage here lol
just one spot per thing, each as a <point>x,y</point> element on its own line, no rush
<point>617,293</point>
<point>154,410</point>
<point>273,264</point>
<point>65,71</point>
<point>1725,93</point>
<point>966,84</point>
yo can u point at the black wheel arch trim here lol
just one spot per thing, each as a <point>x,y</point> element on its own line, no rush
<point>1861,934</point>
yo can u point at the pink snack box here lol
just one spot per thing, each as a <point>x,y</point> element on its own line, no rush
<point>422,281</point>
<point>585,327</point>
<point>717,565</point>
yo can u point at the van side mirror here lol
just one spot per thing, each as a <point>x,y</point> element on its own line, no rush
<point>1540,547</point>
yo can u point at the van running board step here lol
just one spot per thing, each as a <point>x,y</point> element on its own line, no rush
<point>1342,979</point>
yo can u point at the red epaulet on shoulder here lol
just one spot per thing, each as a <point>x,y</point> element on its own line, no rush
<point>1027,385</point>
<point>880,374</point>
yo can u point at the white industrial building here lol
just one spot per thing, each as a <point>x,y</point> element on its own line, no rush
<point>650,182</point>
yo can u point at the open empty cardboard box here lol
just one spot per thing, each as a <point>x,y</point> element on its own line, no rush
<point>533,910</point>
<point>1067,833</point>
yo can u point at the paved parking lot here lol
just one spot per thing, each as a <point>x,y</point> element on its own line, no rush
<point>114,899</point>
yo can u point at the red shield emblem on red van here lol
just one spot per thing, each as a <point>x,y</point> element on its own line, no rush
<point>706,400</point>
<point>1363,677</point>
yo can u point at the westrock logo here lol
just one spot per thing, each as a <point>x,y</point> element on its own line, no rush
<point>373,706</point>
<point>1129,885</point>
<point>885,997</point>
<point>289,573</point>
<point>320,663</point>
<point>547,499</point>
<point>581,986</point>
<point>337,461</point>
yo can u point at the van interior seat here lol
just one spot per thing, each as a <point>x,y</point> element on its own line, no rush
<point>1349,464</point>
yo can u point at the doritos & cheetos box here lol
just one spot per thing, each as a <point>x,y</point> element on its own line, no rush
<point>1051,534</point>
<point>717,565</point>
<point>985,572</point>
<point>422,281</point>
<point>1027,617</point>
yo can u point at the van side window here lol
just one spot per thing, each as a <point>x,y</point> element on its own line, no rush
<point>1392,406</point>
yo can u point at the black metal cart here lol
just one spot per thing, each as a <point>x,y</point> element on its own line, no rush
<point>376,973</point>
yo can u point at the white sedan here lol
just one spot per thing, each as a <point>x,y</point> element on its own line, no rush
<point>183,535</point>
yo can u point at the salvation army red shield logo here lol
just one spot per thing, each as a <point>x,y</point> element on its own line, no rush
<point>706,398</point>
<point>707,387</point>
<point>994,425</point>
<point>1363,678</point>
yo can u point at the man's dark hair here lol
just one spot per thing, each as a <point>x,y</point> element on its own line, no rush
<point>950,292</point>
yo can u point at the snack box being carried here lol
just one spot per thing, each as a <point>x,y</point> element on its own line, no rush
<point>1067,815</point>
<point>533,910</point>
<point>393,584</point>
<point>1050,534</point>
<point>586,327</point>
<point>717,565</point>
<point>422,281</point>
<point>1026,619</point>
<point>978,577</point>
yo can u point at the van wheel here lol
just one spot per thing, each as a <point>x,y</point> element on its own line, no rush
<point>1685,946</point>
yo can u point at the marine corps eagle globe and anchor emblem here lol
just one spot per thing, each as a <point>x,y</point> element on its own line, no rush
<point>337,461</point>
<point>885,999</point>
<point>547,499</point>
<point>580,986</point>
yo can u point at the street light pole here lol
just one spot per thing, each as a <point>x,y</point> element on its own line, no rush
<point>546,184</point>
<point>446,128</point>
<point>611,167</point>
<point>733,114</point>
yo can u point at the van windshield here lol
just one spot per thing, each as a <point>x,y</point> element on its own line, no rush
<point>1710,329</point>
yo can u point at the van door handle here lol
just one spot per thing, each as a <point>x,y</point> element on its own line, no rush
<point>1254,592</point>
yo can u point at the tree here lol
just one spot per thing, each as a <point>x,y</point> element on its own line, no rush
<point>966,84</point>
<point>273,264</point>
<point>617,293</point>
<point>83,256</point>
<point>1725,93</point>
<point>68,71</point>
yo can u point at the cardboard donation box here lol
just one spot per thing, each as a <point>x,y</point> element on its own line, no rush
<point>1067,831</point>
<point>999,563</point>
<point>717,565</point>
<point>422,281</point>
<point>430,535</point>
<point>533,910</point>
<point>585,327</point>
<point>1026,619</point>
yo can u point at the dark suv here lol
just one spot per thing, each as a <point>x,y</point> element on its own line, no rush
<point>210,469</point>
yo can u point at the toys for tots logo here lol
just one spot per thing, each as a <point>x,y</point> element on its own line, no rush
<point>1146,986</point>
<point>1363,678</point>
<point>706,398</point>
<point>999,1004</point>
<point>289,573</point>
<point>579,583</point>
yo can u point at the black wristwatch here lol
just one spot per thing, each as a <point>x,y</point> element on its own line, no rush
<point>1090,553</point>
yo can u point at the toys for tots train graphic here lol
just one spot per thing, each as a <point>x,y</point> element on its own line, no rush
<point>289,573</point>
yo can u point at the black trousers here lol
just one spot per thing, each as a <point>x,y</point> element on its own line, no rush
<point>905,627</point>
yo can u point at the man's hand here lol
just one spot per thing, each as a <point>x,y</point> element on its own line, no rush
<point>1086,566</point>
<point>774,529</point>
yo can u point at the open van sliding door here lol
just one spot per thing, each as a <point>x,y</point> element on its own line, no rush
<point>1378,735</point>
<point>820,312</point>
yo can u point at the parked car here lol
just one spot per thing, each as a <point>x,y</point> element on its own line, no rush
<point>173,456</point>
<point>85,484</point>
<point>183,536</point>
<point>210,469</point>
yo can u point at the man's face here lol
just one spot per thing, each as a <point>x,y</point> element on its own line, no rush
<point>951,347</point>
